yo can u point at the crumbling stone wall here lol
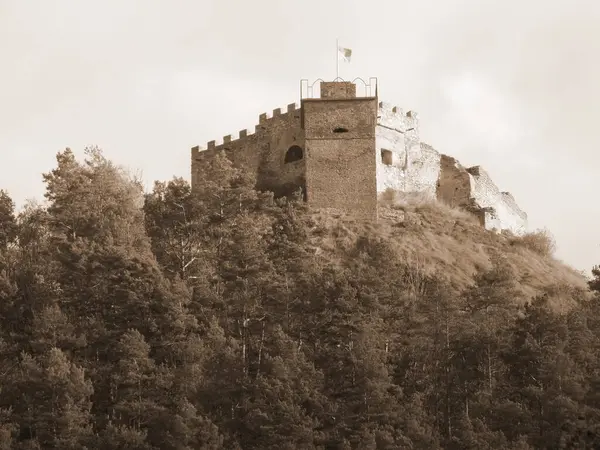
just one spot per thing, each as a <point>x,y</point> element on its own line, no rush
<point>454,183</point>
<point>406,165</point>
<point>262,152</point>
<point>506,214</point>
<point>415,167</point>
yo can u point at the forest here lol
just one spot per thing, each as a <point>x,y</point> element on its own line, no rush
<point>227,319</point>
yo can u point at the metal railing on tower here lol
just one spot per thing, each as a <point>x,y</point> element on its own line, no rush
<point>364,88</point>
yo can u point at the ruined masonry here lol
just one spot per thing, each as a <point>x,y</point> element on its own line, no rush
<point>344,150</point>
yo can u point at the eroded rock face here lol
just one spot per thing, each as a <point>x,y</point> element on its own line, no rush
<point>405,164</point>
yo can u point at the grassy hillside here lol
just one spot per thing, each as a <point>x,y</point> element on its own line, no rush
<point>435,238</point>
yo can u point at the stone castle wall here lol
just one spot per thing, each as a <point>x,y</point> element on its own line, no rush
<point>454,187</point>
<point>506,214</point>
<point>262,152</point>
<point>414,167</point>
<point>405,164</point>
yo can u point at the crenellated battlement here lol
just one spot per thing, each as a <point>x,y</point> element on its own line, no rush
<point>390,109</point>
<point>263,122</point>
<point>394,118</point>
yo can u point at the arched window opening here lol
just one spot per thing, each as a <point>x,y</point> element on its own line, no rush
<point>293,154</point>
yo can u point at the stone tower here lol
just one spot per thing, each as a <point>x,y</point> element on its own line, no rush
<point>339,134</point>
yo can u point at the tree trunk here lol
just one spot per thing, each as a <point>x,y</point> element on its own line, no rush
<point>489,358</point>
<point>260,348</point>
<point>448,409</point>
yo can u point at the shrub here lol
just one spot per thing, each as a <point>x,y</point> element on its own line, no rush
<point>540,241</point>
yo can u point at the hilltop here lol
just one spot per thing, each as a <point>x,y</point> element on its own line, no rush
<point>223,318</point>
<point>436,239</point>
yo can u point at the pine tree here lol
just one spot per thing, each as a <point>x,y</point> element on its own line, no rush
<point>8,221</point>
<point>594,283</point>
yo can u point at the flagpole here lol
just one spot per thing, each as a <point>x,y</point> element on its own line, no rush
<point>337,59</point>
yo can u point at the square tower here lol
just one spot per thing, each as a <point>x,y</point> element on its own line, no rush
<point>341,166</point>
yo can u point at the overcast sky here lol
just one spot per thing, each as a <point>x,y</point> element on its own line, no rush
<point>509,85</point>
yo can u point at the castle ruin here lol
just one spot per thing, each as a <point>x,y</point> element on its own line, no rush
<point>344,150</point>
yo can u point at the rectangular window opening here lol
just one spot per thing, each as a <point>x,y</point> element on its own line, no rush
<point>387,157</point>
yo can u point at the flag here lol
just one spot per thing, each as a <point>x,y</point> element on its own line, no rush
<point>346,53</point>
